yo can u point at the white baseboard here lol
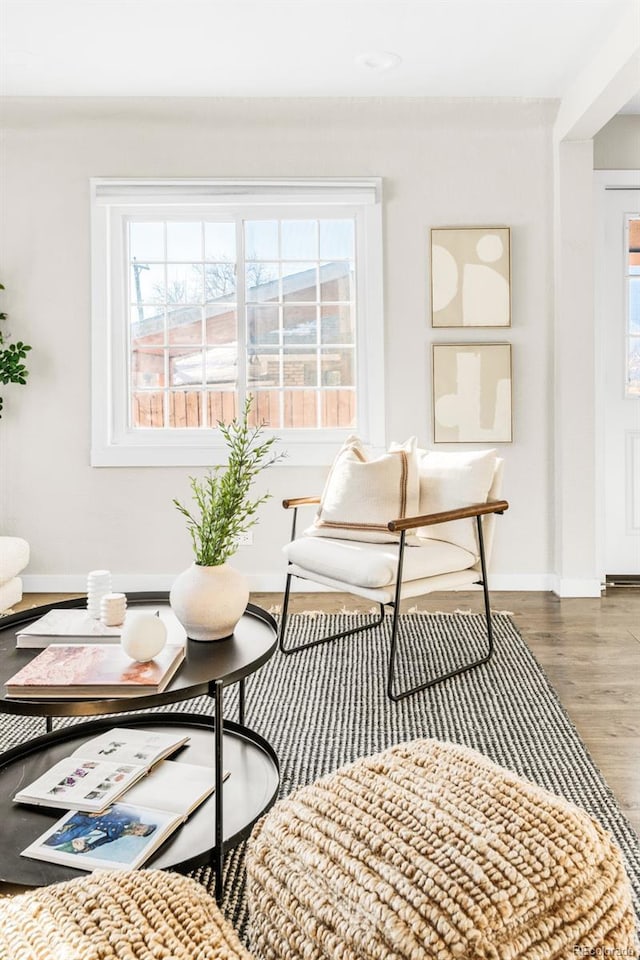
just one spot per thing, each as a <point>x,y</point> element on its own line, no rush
<point>574,587</point>
<point>274,583</point>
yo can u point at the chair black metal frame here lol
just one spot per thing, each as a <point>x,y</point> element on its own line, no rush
<point>401,526</point>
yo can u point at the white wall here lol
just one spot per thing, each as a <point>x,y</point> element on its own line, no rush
<point>443,164</point>
<point>617,145</point>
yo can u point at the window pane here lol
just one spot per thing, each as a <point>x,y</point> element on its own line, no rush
<point>184,283</point>
<point>337,239</point>
<point>262,281</point>
<point>335,281</point>
<point>337,324</point>
<point>299,324</point>
<point>219,280</point>
<point>299,239</point>
<point>147,409</point>
<point>338,408</point>
<point>222,364</point>
<point>185,408</point>
<point>634,305</point>
<point>184,241</point>
<point>300,409</point>
<point>263,325</point>
<point>633,370</point>
<point>185,366</point>
<point>221,324</point>
<point>634,246</point>
<point>299,281</point>
<point>222,405</point>
<point>266,408</point>
<point>263,367</point>
<point>337,368</point>
<point>261,239</point>
<point>184,325</point>
<point>147,368</point>
<point>145,318</point>
<point>220,241</point>
<point>147,283</point>
<point>146,241</point>
<point>300,368</point>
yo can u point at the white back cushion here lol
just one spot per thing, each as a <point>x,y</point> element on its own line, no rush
<point>361,495</point>
<point>451,480</point>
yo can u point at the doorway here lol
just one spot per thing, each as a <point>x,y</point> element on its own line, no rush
<point>618,342</point>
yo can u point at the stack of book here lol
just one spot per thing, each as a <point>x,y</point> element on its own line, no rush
<point>82,657</point>
<point>73,670</point>
<point>69,625</point>
<point>99,829</point>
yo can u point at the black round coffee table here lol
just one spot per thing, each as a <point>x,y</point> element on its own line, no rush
<point>223,820</point>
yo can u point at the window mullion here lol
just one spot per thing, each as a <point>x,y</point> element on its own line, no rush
<point>242,384</point>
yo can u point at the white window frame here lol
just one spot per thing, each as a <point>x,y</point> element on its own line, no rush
<point>115,201</point>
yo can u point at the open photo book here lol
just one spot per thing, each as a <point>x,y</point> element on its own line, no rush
<point>99,771</point>
<point>125,835</point>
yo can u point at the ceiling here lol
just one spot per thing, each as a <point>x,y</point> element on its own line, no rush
<point>299,48</point>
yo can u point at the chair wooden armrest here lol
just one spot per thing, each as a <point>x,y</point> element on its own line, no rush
<point>299,501</point>
<point>474,510</point>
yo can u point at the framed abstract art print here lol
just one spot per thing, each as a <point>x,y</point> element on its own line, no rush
<point>470,277</point>
<point>472,393</point>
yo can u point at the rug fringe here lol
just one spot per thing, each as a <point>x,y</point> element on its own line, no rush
<point>276,610</point>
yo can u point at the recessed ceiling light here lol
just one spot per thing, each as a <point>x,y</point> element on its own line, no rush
<point>379,60</point>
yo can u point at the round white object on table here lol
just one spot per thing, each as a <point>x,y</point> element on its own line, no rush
<point>143,636</point>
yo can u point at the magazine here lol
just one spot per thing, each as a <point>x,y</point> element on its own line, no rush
<point>126,834</point>
<point>99,771</point>
<point>58,624</point>
<point>73,670</point>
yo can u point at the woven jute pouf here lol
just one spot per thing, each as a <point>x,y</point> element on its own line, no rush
<point>135,915</point>
<point>429,850</point>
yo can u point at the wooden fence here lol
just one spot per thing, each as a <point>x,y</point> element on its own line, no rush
<point>300,408</point>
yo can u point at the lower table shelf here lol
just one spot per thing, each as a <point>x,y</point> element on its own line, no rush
<point>248,792</point>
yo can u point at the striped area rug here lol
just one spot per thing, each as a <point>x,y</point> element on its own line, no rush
<point>327,706</point>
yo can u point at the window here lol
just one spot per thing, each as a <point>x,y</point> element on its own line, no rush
<point>632,280</point>
<point>207,291</point>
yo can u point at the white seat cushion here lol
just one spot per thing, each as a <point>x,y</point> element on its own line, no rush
<point>374,565</point>
<point>14,556</point>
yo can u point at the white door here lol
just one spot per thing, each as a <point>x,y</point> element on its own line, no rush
<point>619,309</point>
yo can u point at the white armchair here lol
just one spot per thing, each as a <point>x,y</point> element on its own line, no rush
<point>412,562</point>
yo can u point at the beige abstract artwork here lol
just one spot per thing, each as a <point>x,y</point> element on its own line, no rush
<point>470,277</point>
<point>472,393</point>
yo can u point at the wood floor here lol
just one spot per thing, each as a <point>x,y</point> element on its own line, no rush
<point>590,650</point>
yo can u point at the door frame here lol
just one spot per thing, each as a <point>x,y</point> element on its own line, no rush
<point>603,180</point>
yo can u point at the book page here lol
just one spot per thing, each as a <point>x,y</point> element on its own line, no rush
<point>173,786</point>
<point>80,784</point>
<point>122,836</point>
<point>131,745</point>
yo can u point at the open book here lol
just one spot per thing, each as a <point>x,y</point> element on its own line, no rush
<point>100,771</point>
<point>125,835</point>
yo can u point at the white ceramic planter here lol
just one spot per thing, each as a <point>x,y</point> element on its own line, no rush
<point>209,601</point>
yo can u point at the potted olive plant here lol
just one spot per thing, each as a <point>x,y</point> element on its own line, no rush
<point>210,596</point>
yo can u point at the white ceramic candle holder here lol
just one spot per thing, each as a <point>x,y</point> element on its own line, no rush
<point>98,584</point>
<point>113,608</point>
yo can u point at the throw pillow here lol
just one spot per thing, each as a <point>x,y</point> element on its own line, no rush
<point>451,480</point>
<point>362,495</point>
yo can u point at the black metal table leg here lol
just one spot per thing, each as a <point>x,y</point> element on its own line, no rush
<point>218,765</point>
<point>241,701</point>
